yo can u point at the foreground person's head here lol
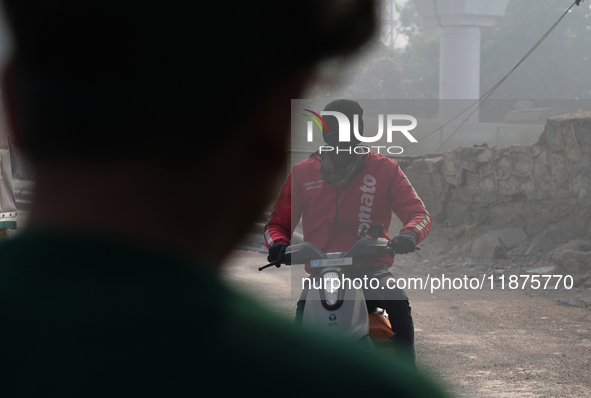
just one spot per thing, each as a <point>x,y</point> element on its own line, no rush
<point>166,92</point>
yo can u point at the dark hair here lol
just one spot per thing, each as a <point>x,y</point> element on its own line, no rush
<point>104,78</point>
<point>348,108</point>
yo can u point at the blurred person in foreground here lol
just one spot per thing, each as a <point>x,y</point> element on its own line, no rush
<point>140,125</point>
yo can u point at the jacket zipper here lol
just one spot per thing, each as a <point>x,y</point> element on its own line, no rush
<point>336,209</point>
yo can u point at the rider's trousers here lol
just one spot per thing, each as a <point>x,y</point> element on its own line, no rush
<point>392,299</point>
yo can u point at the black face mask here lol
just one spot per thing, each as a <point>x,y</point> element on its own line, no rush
<point>332,139</point>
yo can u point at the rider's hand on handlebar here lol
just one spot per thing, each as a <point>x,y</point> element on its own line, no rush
<point>277,252</point>
<point>404,243</point>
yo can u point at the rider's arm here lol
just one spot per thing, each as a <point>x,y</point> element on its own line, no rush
<point>279,227</point>
<point>407,205</point>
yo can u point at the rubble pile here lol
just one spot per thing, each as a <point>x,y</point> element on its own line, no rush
<point>530,204</point>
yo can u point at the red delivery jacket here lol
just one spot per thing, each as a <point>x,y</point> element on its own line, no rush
<point>331,216</point>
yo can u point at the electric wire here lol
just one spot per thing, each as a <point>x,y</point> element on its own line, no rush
<point>478,103</point>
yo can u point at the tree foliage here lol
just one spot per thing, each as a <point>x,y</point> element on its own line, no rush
<point>386,73</point>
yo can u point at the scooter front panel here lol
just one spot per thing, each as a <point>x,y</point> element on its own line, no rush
<point>349,322</point>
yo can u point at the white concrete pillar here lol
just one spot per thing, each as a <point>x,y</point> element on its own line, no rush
<point>459,71</point>
<point>459,56</point>
<point>459,62</point>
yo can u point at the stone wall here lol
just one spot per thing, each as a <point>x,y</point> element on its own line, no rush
<point>544,188</point>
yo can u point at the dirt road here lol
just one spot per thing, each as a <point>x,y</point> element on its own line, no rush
<point>476,348</point>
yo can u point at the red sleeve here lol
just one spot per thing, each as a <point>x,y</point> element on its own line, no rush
<point>407,205</point>
<point>288,207</point>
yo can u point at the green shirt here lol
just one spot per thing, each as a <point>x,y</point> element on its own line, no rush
<point>91,317</point>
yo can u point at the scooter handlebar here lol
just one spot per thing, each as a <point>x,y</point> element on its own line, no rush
<point>276,263</point>
<point>305,252</point>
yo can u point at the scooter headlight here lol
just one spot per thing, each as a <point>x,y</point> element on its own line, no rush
<point>331,285</point>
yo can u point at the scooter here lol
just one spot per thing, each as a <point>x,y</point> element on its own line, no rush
<point>338,307</point>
